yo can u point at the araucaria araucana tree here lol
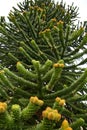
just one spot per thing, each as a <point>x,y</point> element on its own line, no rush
<point>42,86</point>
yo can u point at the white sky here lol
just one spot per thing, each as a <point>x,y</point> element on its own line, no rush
<point>6,6</point>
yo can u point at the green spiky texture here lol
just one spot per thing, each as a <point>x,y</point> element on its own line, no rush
<point>41,31</point>
<point>25,24</point>
<point>17,118</point>
<point>39,49</point>
<point>45,81</point>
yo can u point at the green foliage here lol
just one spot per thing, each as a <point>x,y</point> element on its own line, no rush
<point>20,119</point>
<point>39,49</point>
<point>46,82</point>
<point>25,24</point>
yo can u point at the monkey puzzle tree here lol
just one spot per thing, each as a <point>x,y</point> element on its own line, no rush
<point>25,24</point>
<point>39,48</point>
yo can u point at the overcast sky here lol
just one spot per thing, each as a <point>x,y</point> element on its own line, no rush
<point>6,6</point>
